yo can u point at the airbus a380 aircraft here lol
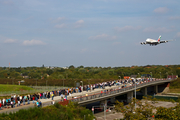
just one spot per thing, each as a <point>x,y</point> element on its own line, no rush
<point>154,42</point>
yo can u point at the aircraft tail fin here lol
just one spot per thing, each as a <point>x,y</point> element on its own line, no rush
<point>159,38</point>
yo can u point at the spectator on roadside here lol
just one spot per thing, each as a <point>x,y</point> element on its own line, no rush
<point>0,105</point>
<point>12,104</point>
<point>28,98</point>
<point>52,95</point>
<point>40,104</point>
<point>66,95</point>
<point>19,103</point>
<point>62,97</point>
<point>23,101</point>
<point>52,102</point>
<point>3,101</point>
<point>37,103</point>
<point>33,99</point>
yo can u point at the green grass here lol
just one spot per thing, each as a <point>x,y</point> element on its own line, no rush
<point>7,88</point>
<point>175,90</point>
<point>175,84</point>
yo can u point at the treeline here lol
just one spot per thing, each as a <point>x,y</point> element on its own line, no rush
<point>81,72</point>
<point>54,112</point>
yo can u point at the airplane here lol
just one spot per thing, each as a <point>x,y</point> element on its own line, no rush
<point>154,42</point>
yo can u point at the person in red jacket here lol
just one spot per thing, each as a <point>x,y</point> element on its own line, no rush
<point>0,105</point>
<point>33,99</point>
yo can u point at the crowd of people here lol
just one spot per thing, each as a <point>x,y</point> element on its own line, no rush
<point>19,100</point>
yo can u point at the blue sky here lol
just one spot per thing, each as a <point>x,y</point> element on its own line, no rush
<point>89,33</point>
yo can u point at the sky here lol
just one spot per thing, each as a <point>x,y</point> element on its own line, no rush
<point>102,33</point>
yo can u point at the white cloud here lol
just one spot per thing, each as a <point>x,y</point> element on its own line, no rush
<point>33,42</point>
<point>116,43</point>
<point>60,26</point>
<point>79,23</point>
<point>60,18</point>
<point>161,10</point>
<point>102,37</point>
<point>159,29</point>
<point>126,28</point>
<point>57,20</point>
<point>178,34</point>
<point>174,18</point>
<point>10,41</point>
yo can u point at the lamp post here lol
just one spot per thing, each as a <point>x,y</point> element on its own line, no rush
<point>82,86</point>
<point>88,81</point>
<point>81,82</point>
<point>120,77</point>
<point>74,83</point>
<point>13,81</point>
<point>172,75</point>
<point>123,75</point>
<point>63,83</point>
<point>151,75</point>
<point>135,94</point>
<point>36,82</point>
<point>160,75</point>
<point>167,75</point>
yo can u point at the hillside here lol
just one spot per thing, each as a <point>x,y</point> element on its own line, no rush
<point>175,86</point>
<point>5,87</point>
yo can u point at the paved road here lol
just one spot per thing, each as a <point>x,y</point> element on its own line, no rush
<point>109,115</point>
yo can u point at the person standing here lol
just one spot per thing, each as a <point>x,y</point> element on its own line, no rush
<point>0,104</point>
<point>66,95</point>
<point>52,95</point>
<point>19,103</point>
<point>23,101</point>
<point>33,99</point>
<point>52,102</point>
<point>62,97</point>
<point>28,99</point>
<point>37,103</point>
<point>3,101</point>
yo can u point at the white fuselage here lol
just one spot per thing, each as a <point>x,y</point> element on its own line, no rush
<point>151,41</point>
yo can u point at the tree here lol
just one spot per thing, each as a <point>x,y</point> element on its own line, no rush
<point>71,67</point>
<point>142,112</point>
<point>34,75</point>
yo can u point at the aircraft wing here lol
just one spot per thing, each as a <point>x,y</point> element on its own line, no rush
<point>165,41</point>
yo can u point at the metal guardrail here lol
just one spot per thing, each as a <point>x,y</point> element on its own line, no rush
<point>116,91</point>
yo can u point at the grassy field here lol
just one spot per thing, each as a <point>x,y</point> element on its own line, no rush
<point>4,87</point>
<point>175,90</point>
<point>175,86</point>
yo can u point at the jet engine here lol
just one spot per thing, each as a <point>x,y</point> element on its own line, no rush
<point>143,43</point>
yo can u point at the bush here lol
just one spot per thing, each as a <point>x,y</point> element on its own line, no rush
<point>54,112</point>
